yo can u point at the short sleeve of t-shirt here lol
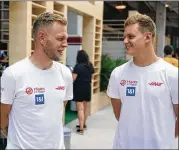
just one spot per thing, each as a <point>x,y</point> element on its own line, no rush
<point>77,69</point>
<point>69,84</point>
<point>173,83</point>
<point>113,87</point>
<point>7,87</point>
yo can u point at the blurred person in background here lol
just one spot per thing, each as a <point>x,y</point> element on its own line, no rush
<point>176,53</point>
<point>168,52</point>
<point>82,76</point>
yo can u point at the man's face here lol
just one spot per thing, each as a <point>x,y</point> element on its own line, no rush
<point>55,41</point>
<point>134,40</point>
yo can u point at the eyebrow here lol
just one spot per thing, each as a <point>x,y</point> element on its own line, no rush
<point>61,36</point>
<point>128,35</point>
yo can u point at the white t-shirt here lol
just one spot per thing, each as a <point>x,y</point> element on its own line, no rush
<point>147,118</point>
<point>36,96</point>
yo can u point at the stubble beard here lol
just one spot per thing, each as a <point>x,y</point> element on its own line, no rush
<point>49,53</point>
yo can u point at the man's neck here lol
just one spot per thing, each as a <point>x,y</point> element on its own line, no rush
<point>40,60</point>
<point>145,59</point>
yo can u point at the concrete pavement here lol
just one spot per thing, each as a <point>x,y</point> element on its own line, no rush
<point>100,132</point>
<point>99,135</point>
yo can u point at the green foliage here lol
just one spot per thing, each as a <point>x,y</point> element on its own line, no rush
<point>107,66</point>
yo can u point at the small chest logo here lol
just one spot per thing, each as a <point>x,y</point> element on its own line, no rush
<point>130,91</point>
<point>39,90</point>
<point>123,82</point>
<point>39,99</point>
<point>60,88</point>
<point>29,90</point>
<point>128,82</point>
<point>155,84</point>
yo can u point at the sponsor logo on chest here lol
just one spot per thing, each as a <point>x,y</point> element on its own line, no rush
<point>131,91</point>
<point>30,90</point>
<point>39,90</point>
<point>39,99</point>
<point>155,83</point>
<point>128,82</point>
<point>59,88</point>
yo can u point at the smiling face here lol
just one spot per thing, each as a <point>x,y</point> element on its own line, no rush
<point>139,35</point>
<point>50,35</point>
<point>55,41</point>
<point>135,41</point>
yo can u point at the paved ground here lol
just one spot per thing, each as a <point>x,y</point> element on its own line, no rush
<point>100,133</point>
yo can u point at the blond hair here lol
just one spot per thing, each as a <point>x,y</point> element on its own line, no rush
<point>146,24</point>
<point>45,20</point>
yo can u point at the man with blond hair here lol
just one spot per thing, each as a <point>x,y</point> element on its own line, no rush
<point>34,89</point>
<point>144,91</point>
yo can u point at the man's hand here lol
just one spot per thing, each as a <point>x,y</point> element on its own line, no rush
<point>175,106</point>
<point>65,103</point>
<point>116,104</point>
<point>4,111</point>
<point>176,129</point>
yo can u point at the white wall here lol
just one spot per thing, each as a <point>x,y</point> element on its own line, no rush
<point>74,28</point>
<point>75,23</point>
<point>114,48</point>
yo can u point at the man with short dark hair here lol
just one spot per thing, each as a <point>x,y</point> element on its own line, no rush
<point>176,53</point>
<point>168,52</point>
<point>34,89</point>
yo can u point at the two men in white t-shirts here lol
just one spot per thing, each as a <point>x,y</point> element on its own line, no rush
<point>144,92</point>
<point>34,89</point>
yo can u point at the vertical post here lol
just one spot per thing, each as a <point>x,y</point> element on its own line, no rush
<point>160,25</point>
<point>19,30</point>
<point>49,6</point>
<point>65,15</point>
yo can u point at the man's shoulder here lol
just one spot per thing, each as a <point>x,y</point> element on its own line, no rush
<point>168,66</point>
<point>170,70</point>
<point>16,67</point>
<point>123,66</point>
<point>62,67</point>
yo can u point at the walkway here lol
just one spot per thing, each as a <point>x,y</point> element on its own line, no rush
<point>100,133</point>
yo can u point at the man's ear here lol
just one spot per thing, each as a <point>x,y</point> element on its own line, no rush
<point>148,37</point>
<point>41,36</point>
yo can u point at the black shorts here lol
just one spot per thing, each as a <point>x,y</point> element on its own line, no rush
<point>82,91</point>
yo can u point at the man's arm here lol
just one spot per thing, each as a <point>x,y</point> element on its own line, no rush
<point>4,109</point>
<point>7,98</point>
<point>116,104</point>
<point>65,103</point>
<point>175,106</point>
